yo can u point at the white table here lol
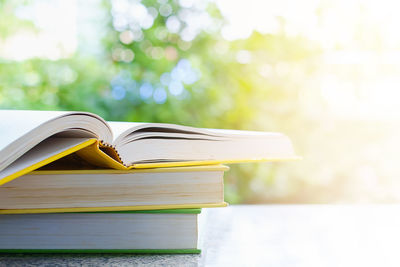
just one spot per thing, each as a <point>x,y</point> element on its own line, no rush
<point>270,235</point>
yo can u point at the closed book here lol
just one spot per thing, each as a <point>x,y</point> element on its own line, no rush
<point>156,231</point>
<point>110,190</point>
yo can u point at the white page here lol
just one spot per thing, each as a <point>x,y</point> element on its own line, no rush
<point>125,132</point>
<point>157,150</point>
<point>43,151</point>
<point>16,123</point>
<point>21,130</point>
<point>120,127</point>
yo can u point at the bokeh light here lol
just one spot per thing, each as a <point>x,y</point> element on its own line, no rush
<point>324,72</point>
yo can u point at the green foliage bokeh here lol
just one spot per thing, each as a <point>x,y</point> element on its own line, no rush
<point>224,93</point>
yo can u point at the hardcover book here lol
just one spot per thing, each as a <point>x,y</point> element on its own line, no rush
<point>32,139</point>
<point>49,191</point>
<point>158,231</point>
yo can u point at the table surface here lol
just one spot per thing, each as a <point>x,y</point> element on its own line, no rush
<point>269,235</point>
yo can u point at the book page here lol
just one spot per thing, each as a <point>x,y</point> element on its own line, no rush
<point>16,123</point>
<point>121,128</point>
<point>148,150</point>
<point>47,150</point>
<point>21,130</point>
<point>129,131</point>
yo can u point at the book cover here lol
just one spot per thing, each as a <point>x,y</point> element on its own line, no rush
<point>110,250</point>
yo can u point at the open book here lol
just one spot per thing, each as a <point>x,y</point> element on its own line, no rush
<point>32,139</point>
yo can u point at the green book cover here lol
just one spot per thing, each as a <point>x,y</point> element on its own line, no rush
<point>116,251</point>
<point>100,251</point>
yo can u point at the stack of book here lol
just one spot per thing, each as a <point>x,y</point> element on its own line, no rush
<point>72,182</point>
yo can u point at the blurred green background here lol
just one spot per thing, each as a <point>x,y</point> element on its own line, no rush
<point>288,67</point>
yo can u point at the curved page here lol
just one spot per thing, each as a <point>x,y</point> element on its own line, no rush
<point>21,130</point>
<point>159,143</point>
<point>42,154</point>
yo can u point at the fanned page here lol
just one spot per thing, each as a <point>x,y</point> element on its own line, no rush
<point>32,139</point>
<point>158,145</point>
<point>21,130</point>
